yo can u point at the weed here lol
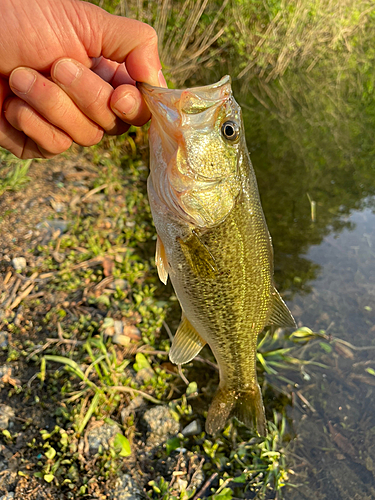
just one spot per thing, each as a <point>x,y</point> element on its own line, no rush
<point>13,172</point>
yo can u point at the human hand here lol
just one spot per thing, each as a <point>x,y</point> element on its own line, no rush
<point>72,97</point>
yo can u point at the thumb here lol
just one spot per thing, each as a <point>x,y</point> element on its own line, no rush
<point>124,40</point>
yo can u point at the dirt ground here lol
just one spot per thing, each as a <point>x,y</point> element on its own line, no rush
<point>60,253</point>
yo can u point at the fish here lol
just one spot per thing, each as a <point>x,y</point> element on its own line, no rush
<point>213,241</point>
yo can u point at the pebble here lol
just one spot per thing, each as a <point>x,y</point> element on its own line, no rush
<point>3,339</point>
<point>120,339</point>
<point>128,410</point>
<point>161,424</point>
<point>125,489</point>
<point>19,263</point>
<point>6,413</point>
<point>8,496</point>
<point>54,225</point>
<point>8,482</point>
<point>102,437</point>
<point>192,429</point>
<point>160,421</point>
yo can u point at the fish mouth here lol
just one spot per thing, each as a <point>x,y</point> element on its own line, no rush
<point>171,108</point>
<point>170,104</point>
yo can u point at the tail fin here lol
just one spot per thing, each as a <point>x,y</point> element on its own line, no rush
<point>246,406</point>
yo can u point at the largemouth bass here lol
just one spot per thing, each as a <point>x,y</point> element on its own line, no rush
<point>213,240</point>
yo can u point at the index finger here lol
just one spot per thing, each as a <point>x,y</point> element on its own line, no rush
<point>122,39</point>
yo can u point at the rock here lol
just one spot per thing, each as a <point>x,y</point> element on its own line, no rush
<point>120,339</point>
<point>124,333</point>
<point>51,228</point>
<point>8,496</point>
<point>125,488</point>
<point>8,482</point>
<point>128,410</point>
<point>101,437</point>
<point>19,263</point>
<point>161,424</point>
<point>58,206</point>
<point>6,413</point>
<point>160,421</point>
<point>3,339</point>
<point>192,429</point>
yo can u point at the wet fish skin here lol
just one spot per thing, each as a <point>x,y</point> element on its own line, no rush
<point>213,241</point>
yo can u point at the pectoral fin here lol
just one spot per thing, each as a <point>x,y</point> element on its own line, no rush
<point>280,315</point>
<point>186,344</point>
<point>199,257</point>
<point>161,261</point>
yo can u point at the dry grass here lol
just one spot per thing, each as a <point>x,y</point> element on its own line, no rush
<point>301,33</point>
<point>187,41</point>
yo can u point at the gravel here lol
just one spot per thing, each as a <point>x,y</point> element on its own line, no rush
<point>19,263</point>
<point>6,414</point>
<point>125,488</point>
<point>101,437</point>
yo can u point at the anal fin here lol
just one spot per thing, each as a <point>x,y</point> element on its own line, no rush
<point>187,343</point>
<point>280,315</point>
<point>161,261</point>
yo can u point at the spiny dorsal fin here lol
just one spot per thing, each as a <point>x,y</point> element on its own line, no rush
<point>198,256</point>
<point>161,261</point>
<point>186,344</point>
<point>280,315</point>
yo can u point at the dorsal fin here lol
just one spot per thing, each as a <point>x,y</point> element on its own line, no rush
<point>186,344</point>
<point>280,315</point>
<point>161,261</point>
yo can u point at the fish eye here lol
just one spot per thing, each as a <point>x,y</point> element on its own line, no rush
<point>230,130</point>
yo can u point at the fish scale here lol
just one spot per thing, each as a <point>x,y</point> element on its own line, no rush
<point>213,241</point>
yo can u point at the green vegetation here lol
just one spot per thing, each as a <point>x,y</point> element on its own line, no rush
<point>13,172</point>
<point>94,331</point>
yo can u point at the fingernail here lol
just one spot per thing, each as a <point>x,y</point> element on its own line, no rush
<point>66,72</point>
<point>162,80</point>
<point>125,105</point>
<point>22,80</point>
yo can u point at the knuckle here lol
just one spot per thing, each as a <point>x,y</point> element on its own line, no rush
<point>59,103</point>
<point>59,142</point>
<point>19,114</point>
<point>91,141</point>
<point>152,35</point>
<point>98,103</point>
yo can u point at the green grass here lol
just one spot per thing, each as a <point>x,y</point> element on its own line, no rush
<point>13,172</point>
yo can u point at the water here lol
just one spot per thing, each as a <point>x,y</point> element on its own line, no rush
<point>325,268</point>
<point>335,436</point>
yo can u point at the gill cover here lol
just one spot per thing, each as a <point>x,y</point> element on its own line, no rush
<point>195,147</point>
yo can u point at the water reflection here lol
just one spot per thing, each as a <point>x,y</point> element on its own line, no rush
<point>335,447</point>
<point>326,270</point>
